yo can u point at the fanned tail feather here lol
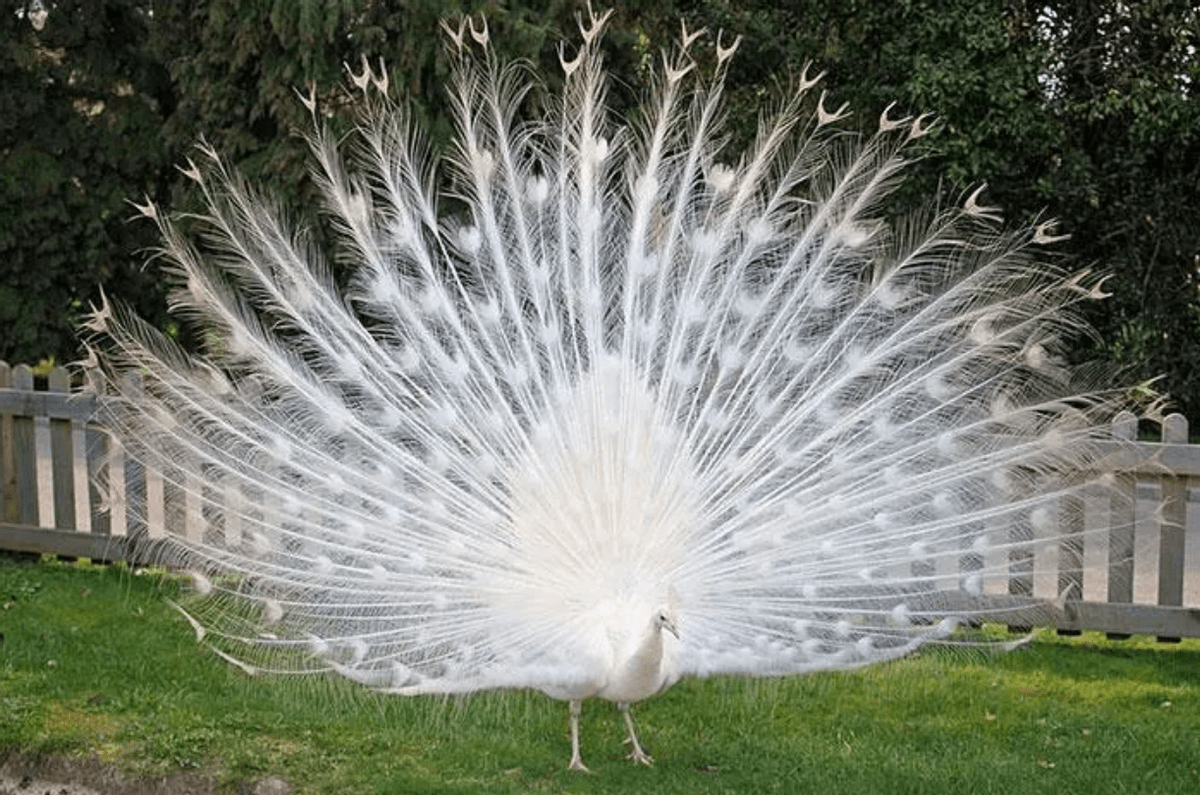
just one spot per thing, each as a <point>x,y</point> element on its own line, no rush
<point>635,367</point>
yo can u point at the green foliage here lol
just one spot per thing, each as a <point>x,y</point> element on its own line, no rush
<point>1127,179</point>
<point>1078,110</point>
<point>1084,112</point>
<point>80,118</point>
<point>103,103</point>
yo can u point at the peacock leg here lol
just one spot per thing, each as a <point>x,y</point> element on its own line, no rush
<point>576,763</point>
<point>638,754</point>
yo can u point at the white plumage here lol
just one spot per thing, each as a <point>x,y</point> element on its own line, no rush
<point>642,408</point>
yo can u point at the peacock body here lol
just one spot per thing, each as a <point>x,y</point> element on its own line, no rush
<point>643,409</point>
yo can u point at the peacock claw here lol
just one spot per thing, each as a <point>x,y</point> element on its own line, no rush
<point>638,756</point>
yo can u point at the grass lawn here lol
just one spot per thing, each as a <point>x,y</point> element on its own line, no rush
<point>94,662</point>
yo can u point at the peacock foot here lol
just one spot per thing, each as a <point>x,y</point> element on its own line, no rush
<point>638,756</point>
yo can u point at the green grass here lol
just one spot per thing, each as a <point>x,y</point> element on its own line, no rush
<point>94,661</point>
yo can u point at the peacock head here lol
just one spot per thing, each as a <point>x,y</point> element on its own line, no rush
<point>665,619</point>
<point>668,613</point>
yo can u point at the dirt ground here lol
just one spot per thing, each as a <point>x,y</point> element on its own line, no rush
<point>21,774</point>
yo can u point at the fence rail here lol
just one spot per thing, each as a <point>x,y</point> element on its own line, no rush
<point>1140,552</point>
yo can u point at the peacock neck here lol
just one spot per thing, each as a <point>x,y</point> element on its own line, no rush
<point>645,664</point>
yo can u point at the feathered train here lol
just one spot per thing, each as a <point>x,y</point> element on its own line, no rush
<point>645,408</point>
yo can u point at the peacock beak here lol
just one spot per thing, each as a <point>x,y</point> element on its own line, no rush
<point>669,626</point>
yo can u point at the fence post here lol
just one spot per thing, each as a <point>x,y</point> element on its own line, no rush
<point>1173,524</point>
<point>1120,532</point>
<point>8,459</point>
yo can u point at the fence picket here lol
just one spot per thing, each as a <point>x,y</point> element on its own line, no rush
<point>8,466</point>
<point>96,451</point>
<point>193,505</point>
<point>62,457</point>
<point>156,502</point>
<point>25,451</point>
<point>1070,553</point>
<point>1173,524</point>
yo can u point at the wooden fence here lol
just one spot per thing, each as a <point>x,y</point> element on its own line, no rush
<point>50,453</point>
<point>1140,557</point>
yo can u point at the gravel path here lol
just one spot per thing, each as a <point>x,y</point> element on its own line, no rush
<point>22,774</point>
